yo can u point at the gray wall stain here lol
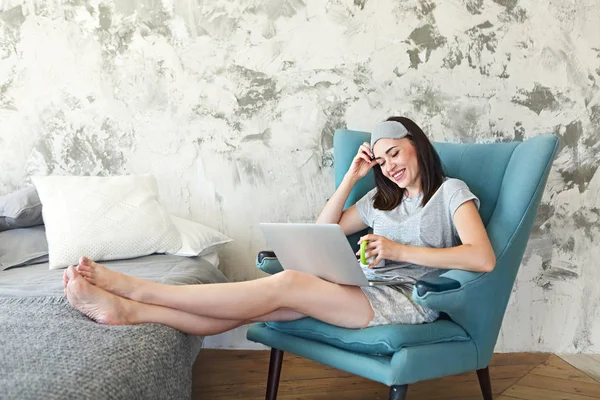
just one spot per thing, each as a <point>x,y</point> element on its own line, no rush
<point>250,172</point>
<point>481,40</point>
<point>561,274</point>
<point>512,12</point>
<point>485,25</point>
<point>44,147</point>
<point>413,56</point>
<point>425,38</point>
<point>360,3</point>
<point>427,100</point>
<point>583,337</point>
<point>157,22</point>
<point>362,78</point>
<point>454,56</point>
<point>473,6</point>
<point>464,121</point>
<point>545,212</point>
<point>519,130</point>
<point>588,221</point>
<point>580,176</point>
<point>594,114</point>
<point>537,100</point>
<point>509,4</point>
<point>541,245</point>
<point>263,137</point>
<point>258,91</point>
<point>10,24</point>
<point>115,40</point>
<point>569,247</point>
<point>424,8</point>
<point>201,110</point>
<point>573,133</point>
<point>13,17</point>
<point>335,120</point>
<point>550,275</point>
<point>284,8</point>
<point>6,100</point>
<point>580,172</point>
<point>104,17</point>
<point>69,148</point>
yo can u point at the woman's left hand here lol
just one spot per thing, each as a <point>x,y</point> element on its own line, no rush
<point>381,248</point>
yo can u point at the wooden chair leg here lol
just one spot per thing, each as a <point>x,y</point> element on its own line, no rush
<point>398,392</point>
<point>484,382</point>
<point>274,373</point>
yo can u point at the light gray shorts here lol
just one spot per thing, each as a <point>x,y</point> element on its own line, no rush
<point>395,305</point>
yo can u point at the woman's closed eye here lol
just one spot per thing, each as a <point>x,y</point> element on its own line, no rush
<point>381,164</point>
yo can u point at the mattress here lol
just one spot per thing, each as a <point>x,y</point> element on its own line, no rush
<point>50,350</point>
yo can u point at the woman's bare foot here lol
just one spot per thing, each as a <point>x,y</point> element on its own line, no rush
<point>65,280</point>
<point>107,279</point>
<point>97,304</point>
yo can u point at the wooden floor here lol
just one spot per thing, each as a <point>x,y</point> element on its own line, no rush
<point>235,374</point>
<point>587,363</point>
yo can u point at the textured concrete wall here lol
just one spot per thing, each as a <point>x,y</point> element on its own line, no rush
<point>232,105</point>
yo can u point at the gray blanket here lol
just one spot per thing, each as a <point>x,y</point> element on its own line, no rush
<point>49,350</point>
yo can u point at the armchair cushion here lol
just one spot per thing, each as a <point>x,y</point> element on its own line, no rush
<point>377,340</point>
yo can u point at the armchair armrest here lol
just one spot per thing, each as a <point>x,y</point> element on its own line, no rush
<point>439,291</point>
<point>268,262</point>
<point>435,284</point>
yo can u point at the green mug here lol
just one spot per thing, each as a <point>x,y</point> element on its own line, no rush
<point>363,248</point>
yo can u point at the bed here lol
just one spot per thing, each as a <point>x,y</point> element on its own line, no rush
<point>51,351</point>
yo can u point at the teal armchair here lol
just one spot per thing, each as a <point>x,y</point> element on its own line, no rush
<point>509,179</point>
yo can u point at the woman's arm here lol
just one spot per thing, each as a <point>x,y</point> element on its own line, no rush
<point>332,213</point>
<point>475,253</point>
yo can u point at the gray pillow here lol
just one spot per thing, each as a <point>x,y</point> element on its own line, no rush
<point>23,246</point>
<point>20,209</point>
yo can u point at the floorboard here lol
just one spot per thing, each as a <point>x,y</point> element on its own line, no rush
<point>242,374</point>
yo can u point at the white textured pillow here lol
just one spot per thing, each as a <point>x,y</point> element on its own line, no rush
<point>197,239</point>
<point>104,218</point>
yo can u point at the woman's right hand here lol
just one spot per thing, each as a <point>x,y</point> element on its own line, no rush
<point>362,163</point>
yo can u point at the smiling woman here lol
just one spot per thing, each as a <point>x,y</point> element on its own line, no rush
<point>409,152</point>
<point>421,220</point>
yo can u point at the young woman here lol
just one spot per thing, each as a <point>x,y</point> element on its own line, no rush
<point>421,220</point>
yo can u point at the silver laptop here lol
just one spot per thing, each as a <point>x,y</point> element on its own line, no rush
<point>321,250</point>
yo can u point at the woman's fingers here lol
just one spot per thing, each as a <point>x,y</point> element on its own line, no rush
<point>375,262</point>
<point>366,149</point>
<point>364,157</point>
<point>371,250</point>
<point>369,254</point>
<point>364,152</point>
<point>372,245</point>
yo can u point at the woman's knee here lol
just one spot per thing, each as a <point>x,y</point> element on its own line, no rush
<point>280,286</point>
<point>290,279</point>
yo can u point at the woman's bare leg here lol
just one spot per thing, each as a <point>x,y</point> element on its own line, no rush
<point>107,308</point>
<point>340,305</point>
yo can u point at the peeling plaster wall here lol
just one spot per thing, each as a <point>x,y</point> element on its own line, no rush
<point>233,104</point>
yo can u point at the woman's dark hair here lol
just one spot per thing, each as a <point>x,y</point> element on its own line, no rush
<point>388,195</point>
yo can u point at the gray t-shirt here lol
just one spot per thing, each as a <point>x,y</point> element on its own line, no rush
<point>414,225</point>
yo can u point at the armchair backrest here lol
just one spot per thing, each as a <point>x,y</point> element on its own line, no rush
<point>509,180</point>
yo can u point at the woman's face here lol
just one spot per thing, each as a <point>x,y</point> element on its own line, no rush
<point>398,161</point>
